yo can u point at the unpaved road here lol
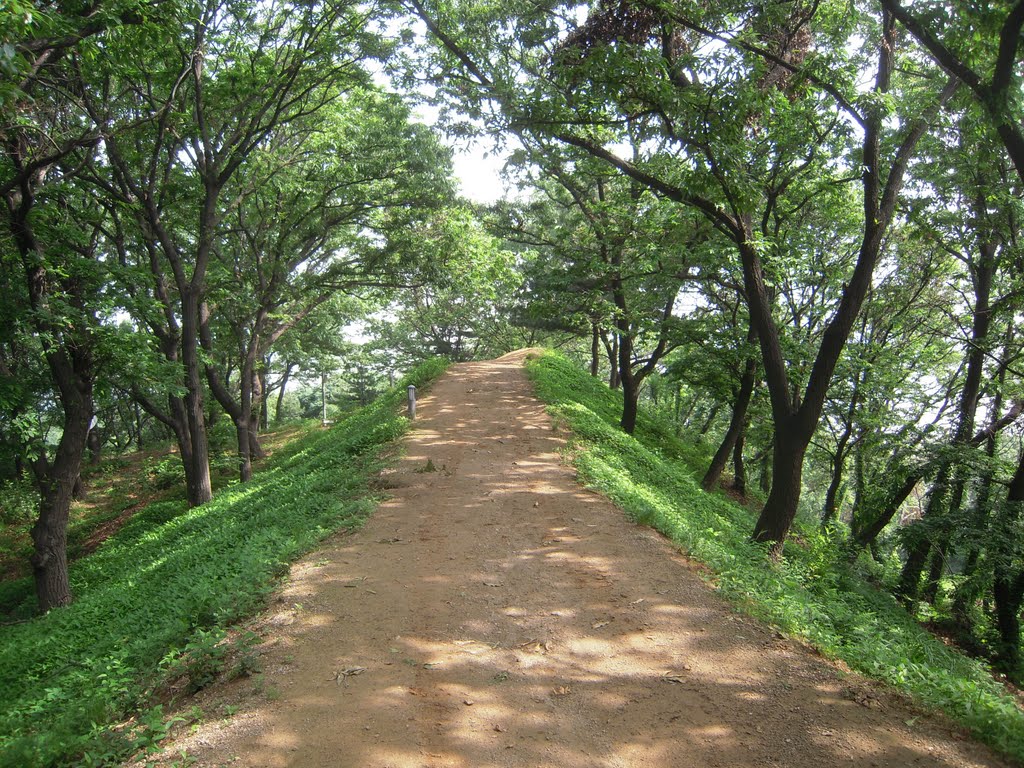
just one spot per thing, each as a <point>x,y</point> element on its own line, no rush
<point>493,613</point>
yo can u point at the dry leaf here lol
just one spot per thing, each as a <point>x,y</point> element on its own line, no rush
<point>342,675</point>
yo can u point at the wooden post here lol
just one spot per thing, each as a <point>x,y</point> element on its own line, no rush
<point>412,401</point>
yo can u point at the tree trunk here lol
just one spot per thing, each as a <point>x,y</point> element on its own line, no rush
<point>764,480</point>
<point>279,408</point>
<point>56,483</point>
<point>244,456</point>
<point>95,445</point>
<point>712,415</point>
<point>264,396</point>
<point>739,415</point>
<point>739,472</point>
<point>614,378</point>
<point>595,349</point>
<point>630,397</point>
<point>138,425</point>
<point>970,588</point>
<point>630,386</point>
<point>200,487</point>
<point>1008,589</point>
<point>1008,596</point>
<point>830,512</point>
<point>68,353</point>
<point>780,509</point>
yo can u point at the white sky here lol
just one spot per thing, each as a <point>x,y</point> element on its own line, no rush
<point>479,173</point>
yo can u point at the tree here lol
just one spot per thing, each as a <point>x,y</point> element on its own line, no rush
<point>52,235</point>
<point>977,41</point>
<point>316,214</point>
<point>745,133</point>
<point>200,104</point>
<point>460,310</point>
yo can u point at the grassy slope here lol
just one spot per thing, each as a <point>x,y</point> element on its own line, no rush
<point>155,598</point>
<point>812,594</point>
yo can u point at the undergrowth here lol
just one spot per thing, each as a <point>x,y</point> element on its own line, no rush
<point>154,601</point>
<point>812,593</point>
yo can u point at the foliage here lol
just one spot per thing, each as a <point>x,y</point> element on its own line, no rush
<point>811,593</point>
<point>157,596</point>
<point>461,313</point>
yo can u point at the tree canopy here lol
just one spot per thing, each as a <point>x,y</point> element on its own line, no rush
<point>793,226</point>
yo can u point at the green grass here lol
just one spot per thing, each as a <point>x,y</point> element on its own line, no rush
<point>155,600</point>
<point>811,594</point>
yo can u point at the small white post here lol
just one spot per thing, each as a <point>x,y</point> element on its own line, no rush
<point>412,401</point>
<point>323,398</point>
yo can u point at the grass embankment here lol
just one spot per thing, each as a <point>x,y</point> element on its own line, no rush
<point>153,603</point>
<point>812,594</point>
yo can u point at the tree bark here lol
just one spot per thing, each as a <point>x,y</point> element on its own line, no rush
<point>836,486</point>
<point>69,358</point>
<point>736,422</point>
<point>780,508</point>
<point>739,472</point>
<point>630,386</point>
<point>947,490</point>
<point>279,408</point>
<point>1008,587</point>
<point>199,484</point>
<point>264,396</point>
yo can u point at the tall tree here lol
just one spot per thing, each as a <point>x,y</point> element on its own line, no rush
<point>203,102</point>
<point>746,129</point>
<point>52,238</point>
<point>316,213</point>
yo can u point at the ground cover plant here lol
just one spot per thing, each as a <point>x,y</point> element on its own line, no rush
<point>811,593</point>
<point>155,600</point>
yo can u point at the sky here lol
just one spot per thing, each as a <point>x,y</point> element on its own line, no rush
<point>479,172</point>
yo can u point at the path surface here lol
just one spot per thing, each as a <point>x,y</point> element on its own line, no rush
<point>493,613</point>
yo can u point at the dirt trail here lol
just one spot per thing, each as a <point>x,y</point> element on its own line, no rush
<point>493,613</point>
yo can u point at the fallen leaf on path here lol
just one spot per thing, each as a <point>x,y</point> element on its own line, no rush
<point>535,646</point>
<point>562,690</point>
<point>342,675</point>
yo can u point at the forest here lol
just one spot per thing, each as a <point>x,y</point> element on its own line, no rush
<point>791,228</point>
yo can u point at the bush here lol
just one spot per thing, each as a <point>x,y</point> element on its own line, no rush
<point>19,502</point>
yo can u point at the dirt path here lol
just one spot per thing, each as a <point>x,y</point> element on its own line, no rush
<point>493,613</point>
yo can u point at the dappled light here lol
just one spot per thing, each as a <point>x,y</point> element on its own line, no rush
<point>494,613</point>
